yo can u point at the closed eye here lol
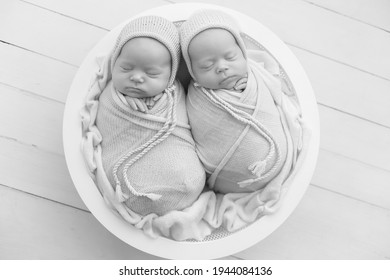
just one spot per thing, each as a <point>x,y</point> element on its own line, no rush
<point>206,66</point>
<point>126,68</point>
<point>152,73</point>
<point>231,57</point>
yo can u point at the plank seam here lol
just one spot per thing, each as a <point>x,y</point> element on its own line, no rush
<point>354,159</point>
<point>337,61</point>
<point>350,197</point>
<point>34,94</point>
<point>40,54</point>
<point>64,15</point>
<point>45,198</point>
<point>11,139</point>
<point>347,16</point>
<point>353,115</point>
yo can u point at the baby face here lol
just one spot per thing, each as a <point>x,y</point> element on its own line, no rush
<point>216,59</point>
<point>142,69</point>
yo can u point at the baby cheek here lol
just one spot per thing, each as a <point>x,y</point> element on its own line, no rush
<point>118,80</point>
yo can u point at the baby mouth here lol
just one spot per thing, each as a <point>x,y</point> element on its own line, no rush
<point>134,90</point>
<point>228,79</point>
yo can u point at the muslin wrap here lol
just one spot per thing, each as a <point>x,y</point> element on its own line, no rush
<point>211,210</point>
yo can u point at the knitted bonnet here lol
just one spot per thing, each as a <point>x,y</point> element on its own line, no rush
<point>203,20</point>
<point>154,27</point>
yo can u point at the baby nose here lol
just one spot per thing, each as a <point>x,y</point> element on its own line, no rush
<point>137,78</point>
<point>222,67</point>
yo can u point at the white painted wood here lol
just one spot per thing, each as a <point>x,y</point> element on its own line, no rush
<point>328,226</point>
<point>47,33</point>
<point>106,14</point>
<point>355,138</point>
<point>309,27</point>
<point>31,119</point>
<point>35,228</point>
<point>347,89</point>
<point>374,12</point>
<point>320,31</point>
<point>352,178</point>
<point>35,73</point>
<point>34,171</point>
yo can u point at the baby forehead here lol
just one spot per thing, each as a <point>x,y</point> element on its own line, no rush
<point>211,41</point>
<point>145,44</point>
<point>212,35</point>
<point>145,50</point>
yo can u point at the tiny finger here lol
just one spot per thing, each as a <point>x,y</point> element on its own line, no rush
<point>148,101</point>
<point>141,105</point>
<point>240,87</point>
<point>157,97</point>
<point>131,103</point>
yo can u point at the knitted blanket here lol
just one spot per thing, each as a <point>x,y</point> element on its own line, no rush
<point>210,210</point>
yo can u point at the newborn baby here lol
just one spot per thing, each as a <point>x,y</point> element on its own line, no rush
<point>148,152</point>
<point>235,122</point>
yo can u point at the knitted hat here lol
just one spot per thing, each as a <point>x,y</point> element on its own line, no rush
<point>154,27</point>
<point>203,20</point>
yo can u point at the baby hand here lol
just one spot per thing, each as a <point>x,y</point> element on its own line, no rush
<point>150,101</point>
<point>137,104</point>
<point>241,84</point>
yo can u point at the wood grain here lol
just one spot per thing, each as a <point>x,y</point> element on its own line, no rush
<point>50,34</point>
<point>35,73</point>
<point>31,119</point>
<point>347,89</point>
<point>354,179</point>
<point>328,226</point>
<point>107,14</point>
<point>41,229</point>
<point>375,13</point>
<point>37,172</point>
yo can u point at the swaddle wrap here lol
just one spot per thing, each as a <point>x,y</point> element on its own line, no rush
<point>169,176</point>
<point>239,136</point>
<point>175,224</point>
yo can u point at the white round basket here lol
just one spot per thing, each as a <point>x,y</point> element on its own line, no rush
<point>167,248</point>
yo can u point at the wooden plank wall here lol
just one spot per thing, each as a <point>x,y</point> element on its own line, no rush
<point>342,45</point>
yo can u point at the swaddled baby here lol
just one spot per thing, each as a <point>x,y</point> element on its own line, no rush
<point>148,152</point>
<point>235,122</point>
